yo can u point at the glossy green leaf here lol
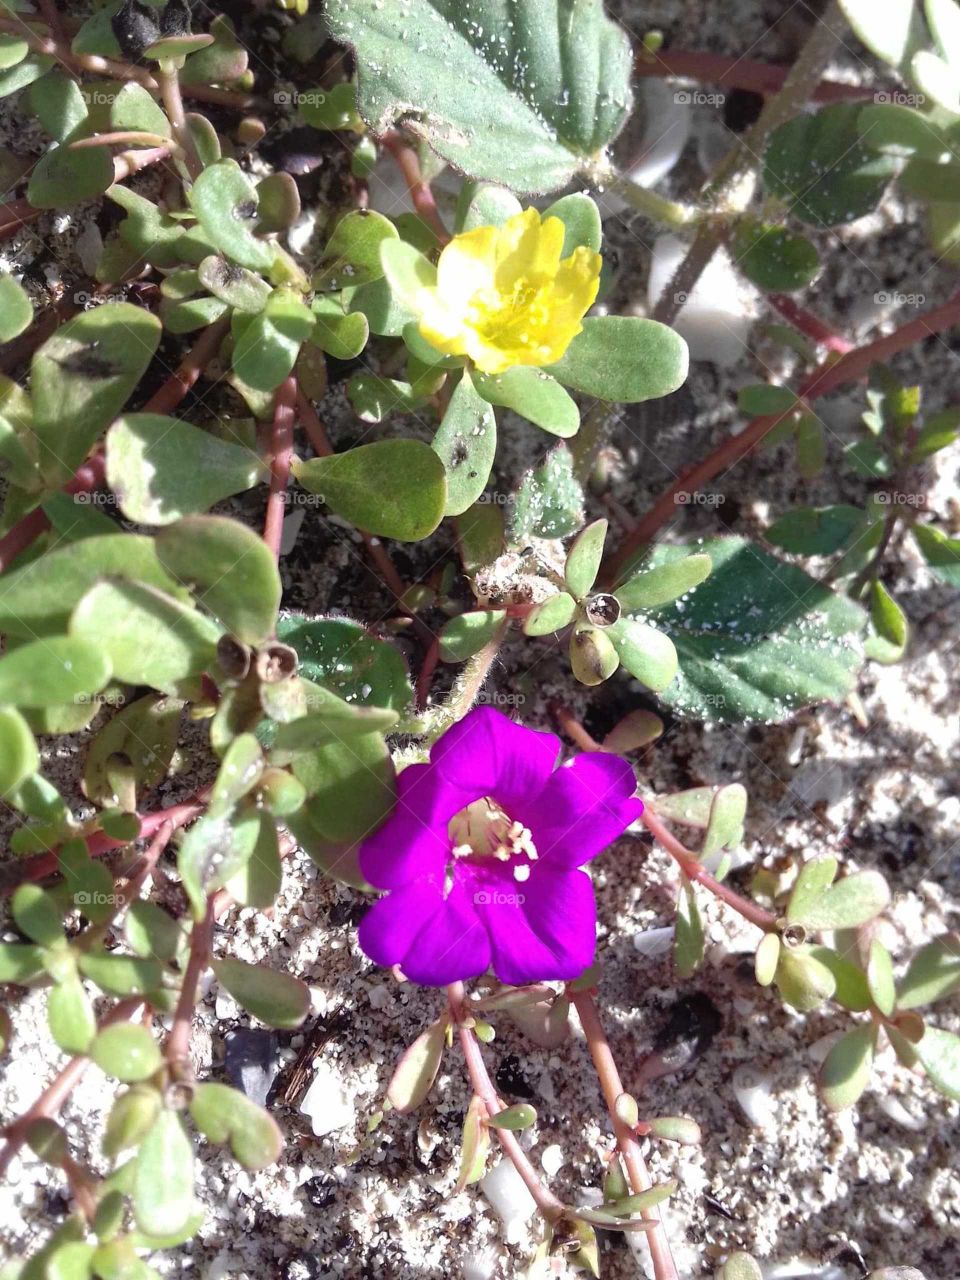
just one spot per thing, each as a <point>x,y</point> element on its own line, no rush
<point>816,531</point>
<point>941,553</point>
<point>343,657</point>
<point>223,1114</point>
<point>623,358</point>
<point>817,902</point>
<point>463,636</point>
<point>689,937</point>
<point>225,202</point>
<point>646,652</point>
<point>163,1196</point>
<point>902,131</point>
<point>819,166</point>
<point>767,958</point>
<point>553,615</point>
<point>664,583</point>
<point>55,670</point>
<point>534,395</point>
<point>340,335</point>
<point>16,311</point>
<point>81,377</point>
<point>127,1051</point>
<point>804,982</point>
<point>892,29</point>
<point>394,488</point>
<point>523,94</point>
<point>352,254</point>
<point>773,258</point>
<point>146,636</point>
<point>277,999</point>
<point>583,558</point>
<point>350,785</point>
<point>466,443</point>
<point>162,468</point>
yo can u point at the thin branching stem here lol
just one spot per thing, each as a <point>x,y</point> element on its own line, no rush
<point>739,73</point>
<point>178,1042</point>
<point>420,191</point>
<point>281,451</point>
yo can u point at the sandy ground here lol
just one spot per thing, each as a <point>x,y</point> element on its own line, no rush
<point>811,1195</point>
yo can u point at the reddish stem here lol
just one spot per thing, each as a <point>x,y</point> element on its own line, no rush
<point>738,73</point>
<point>420,191</point>
<point>829,375</point>
<point>57,1092</point>
<point>189,370</point>
<point>15,214</point>
<point>281,449</point>
<point>809,324</point>
<point>178,1043</point>
<point>639,1176</point>
<point>23,533</point>
<point>425,678</point>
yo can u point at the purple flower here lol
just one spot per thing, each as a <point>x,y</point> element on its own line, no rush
<point>481,856</point>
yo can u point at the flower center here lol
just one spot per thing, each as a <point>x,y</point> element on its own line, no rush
<point>512,321</point>
<point>484,830</point>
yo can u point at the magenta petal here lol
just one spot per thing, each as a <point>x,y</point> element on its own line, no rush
<point>584,807</point>
<point>389,928</point>
<point>413,841</point>
<point>541,929</point>
<point>487,753</point>
<point>452,944</point>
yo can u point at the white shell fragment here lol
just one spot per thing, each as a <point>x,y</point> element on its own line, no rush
<point>326,1102</point>
<point>509,1199</point>
<point>715,317</point>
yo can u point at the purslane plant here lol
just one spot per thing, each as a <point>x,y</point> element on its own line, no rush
<point>317,736</point>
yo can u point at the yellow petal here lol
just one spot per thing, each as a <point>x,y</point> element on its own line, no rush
<point>528,247</point>
<point>467,264</point>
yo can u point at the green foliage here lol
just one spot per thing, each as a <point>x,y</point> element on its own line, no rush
<point>623,358</point>
<point>525,95</point>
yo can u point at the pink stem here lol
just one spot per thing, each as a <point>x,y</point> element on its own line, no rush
<point>809,324</point>
<point>281,449</point>
<point>639,1176</point>
<point>738,73</point>
<point>178,1043</point>
<point>419,189</point>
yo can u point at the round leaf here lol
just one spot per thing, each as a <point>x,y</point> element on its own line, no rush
<point>623,358</point>
<point>59,669</point>
<point>277,999</point>
<point>466,443</point>
<point>126,1051</point>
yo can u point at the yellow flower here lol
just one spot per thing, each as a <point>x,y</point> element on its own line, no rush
<point>503,296</point>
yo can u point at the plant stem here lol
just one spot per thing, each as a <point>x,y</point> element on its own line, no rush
<point>468,686</point>
<point>281,448</point>
<point>177,1050</point>
<point>798,85</point>
<point>189,370</point>
<point>168,78</point>
<point>611,1086</point>
<point>420,191</point>
<point>668,213</point>
<point>60,1088</point>
<point>809,324</point>
<point>829,375</point>
<point>739,73</point>
<point>548,1204</point>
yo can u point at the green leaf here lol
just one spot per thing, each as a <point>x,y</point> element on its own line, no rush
<point>12,51</point>
<point>55,670</point>
<point>936,79</point>
<point>583,559</point>
<point>623,358</point>
<point>819,166</point>
<point>880,979</point>
<point>515,1119</point>
<point>549,501</point>
<point>804,981</point>
<point>140,738</point>
<point>225,202</point>
<point>70,1016</point>
<point>340,335</point>
<point>385,312</point>
<point>534,395</point>
<point>373,398</point>
<point>646,652</point>
<point>266,345</point>
<point>335,721</point>
<point>818,903</point>
<point>523,94</point>
<point>162,468</point>
<point>163,1200</point>
<point>19,757</point>
<point>941,553</point>
<point>892,29</point>
<point>19,962</point>
<point>25,72</point>
<point>215,848</point>
<point>759,638</point>
<point>934,973</point>
<point>151,931</point>
<point>351,787</point>
<point>939,1054</point>
<point>417,1069</point>
<point>277,999</point>
<point>230,569</point>
<point>483,204</point>
<point>66,175</point>
<point>688,942</point>
<point>902,131</point>
<point>16,310</point>
<point>551,616</point>
<point>82,376</point>
<point>593,657</point>
<point>236,286</point>
<point>651,588</point>
<point>939,431</point>
<point>135,109</point>
<point>889,631</point>
<point>156,237</point>
<point>239,773</point>
<point>773,258</point>
<point>127,1051</point>
<point>767,958</point>
<point>816,531</point>
<point>343,657</point>
<point>258,881</point>
<point>846,1070</point>
<point>725,826</point>
<point>581,219</point>
<point>851,989</point>
<point>764,399</point>
<point>408,273</point>
<point>219,63</point>
<point>466,442</point>
<point>462,637</point>
<point>394,488</point>
<point>225,1115</point>
<point>146,636</point>
<point>352,254</point>
<point>121,975</point>
<point>334,109</point>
